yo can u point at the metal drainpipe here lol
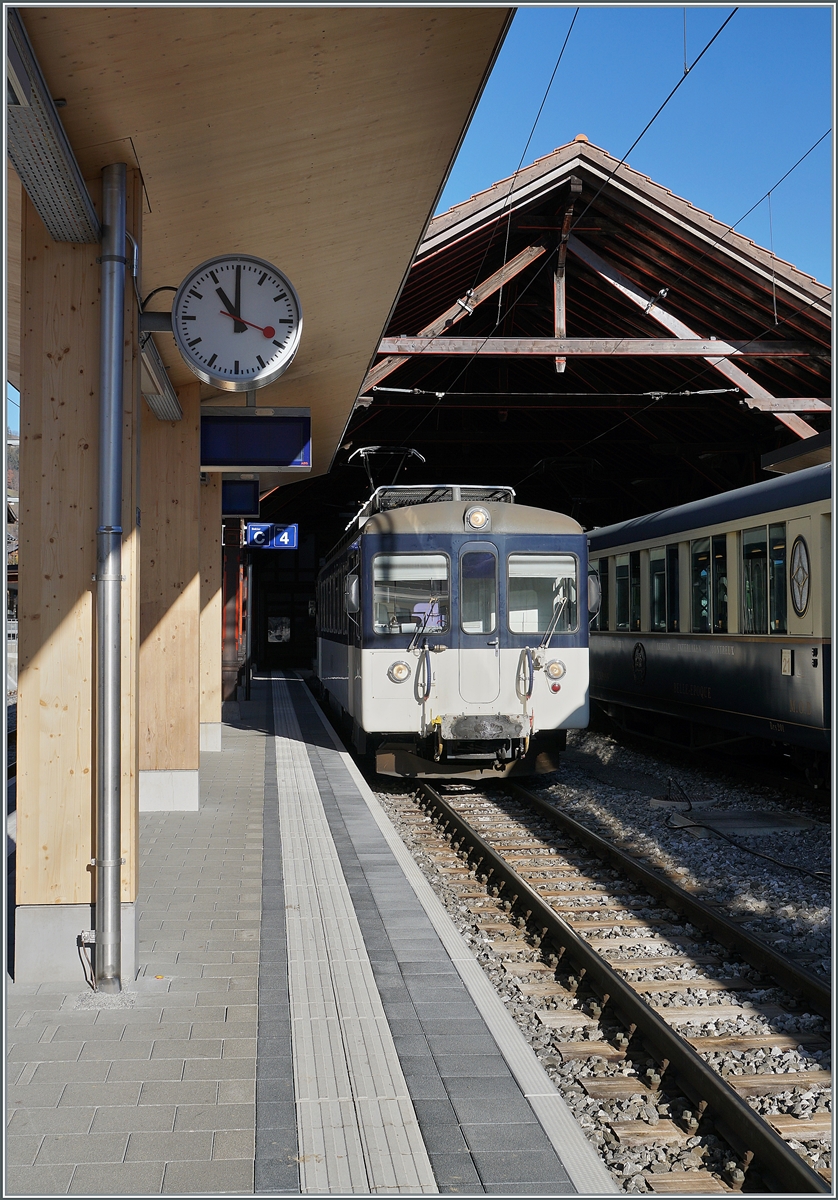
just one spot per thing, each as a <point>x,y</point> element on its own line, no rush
<point>108,951</point>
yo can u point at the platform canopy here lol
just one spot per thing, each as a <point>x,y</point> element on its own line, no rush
<point>582,333</point>
<point>316,138</point>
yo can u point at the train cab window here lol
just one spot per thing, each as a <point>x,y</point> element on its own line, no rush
<point>720,584</point>
<point>621,590</point>
<point>673,595</point>
<point>754,581</point>
<point>634,589</point>
<point>700,560</point>
<point>601,621</point>
<point>478,591</point>
<point>657,589</point>
<point>542,588</point>
<point>410,592</point>
<point>777,577</point>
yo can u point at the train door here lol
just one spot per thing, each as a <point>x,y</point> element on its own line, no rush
<point>479,632</point>
<point>800,555</point>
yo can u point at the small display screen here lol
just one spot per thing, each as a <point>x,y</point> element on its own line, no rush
<point>240,497</point>
<point>250,442</point>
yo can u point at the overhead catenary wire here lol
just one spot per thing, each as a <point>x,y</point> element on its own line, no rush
<point>547,258</point>
<point>730,228</point>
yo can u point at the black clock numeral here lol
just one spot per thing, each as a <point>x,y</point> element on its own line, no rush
<point>236,367</point>
<point>284,321</point>
<point>197,295</point>
<point>264,277</point>
<point>213,277</point>
<point>212,360</point>
<point>281,296</point>
<point>280,344</point>
<point>260,360</point>
<point>195,341</point>
<point>188,318</point>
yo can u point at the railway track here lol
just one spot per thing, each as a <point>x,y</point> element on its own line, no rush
<point>676,1014</point>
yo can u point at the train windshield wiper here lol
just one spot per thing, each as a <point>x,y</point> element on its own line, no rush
<point>551,628</point>
<point>433,602</point>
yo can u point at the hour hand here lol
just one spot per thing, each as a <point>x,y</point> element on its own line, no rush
<point>238,324</point>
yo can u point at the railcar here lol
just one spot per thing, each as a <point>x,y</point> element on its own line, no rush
<point>452,632</point>
<point>715,620</point>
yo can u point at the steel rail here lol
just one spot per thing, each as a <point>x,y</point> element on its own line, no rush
<point>759,954</point>
<point>752,1137</point>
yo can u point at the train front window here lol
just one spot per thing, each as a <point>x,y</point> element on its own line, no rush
<point>700,557</point>
<point>540,586</point>
<point>621,590</point>
<point>720,584</point>
<point>478,591</point>
<point>657,589</point>
<point>777,577</point>
<point>410,592</point>
<point>754,581</point>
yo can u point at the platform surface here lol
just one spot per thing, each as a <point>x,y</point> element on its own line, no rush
<point>306,1019</point>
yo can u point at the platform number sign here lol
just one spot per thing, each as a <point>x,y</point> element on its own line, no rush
<point>262,536</point>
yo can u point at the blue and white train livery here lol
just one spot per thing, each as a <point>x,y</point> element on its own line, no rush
<point>453,632</point>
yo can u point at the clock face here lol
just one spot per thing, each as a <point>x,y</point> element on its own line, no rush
<point>237,322</point>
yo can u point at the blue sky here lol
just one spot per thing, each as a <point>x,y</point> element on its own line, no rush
<point>759,98</point>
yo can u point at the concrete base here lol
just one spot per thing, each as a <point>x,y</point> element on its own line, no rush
<point>46,943</point>
<point>211,735</point>
<point>169,791</point>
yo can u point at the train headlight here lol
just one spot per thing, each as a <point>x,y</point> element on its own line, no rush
<point>399,672</point>
<point>554,669</point>
<point>477,518</point>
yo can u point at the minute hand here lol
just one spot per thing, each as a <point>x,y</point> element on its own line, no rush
<point>232,311</point>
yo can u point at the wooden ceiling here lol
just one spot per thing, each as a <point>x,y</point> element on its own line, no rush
<point>317,138</point>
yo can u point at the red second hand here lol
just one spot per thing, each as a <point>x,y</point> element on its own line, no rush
<point>267,330</point>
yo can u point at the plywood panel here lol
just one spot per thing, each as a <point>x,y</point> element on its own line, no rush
<point>170,593</point>
<point>59,498</point>
<point>14,197</point>
<point>211,599</point>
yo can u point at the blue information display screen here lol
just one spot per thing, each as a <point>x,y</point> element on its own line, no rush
<point>263,536</point>
<point>248,442</point>
<point>240,497</point>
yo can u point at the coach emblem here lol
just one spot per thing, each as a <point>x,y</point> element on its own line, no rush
<point>639,662</point>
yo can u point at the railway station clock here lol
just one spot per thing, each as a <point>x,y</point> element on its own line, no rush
<point>237,322</point>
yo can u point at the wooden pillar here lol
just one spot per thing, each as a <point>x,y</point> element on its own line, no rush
<point>231,637</point>
<point>210,548</point>
<point>170,608</point>
<point>56,796</point>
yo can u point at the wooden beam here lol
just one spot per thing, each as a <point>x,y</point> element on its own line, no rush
<point>462,308</point>
<point>680,347</point>
<point>649,304</point>
<point>790,404</point>
<point>559,292</point>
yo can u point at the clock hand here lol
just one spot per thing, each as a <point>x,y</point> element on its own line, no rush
<point>231,311</point>
<point>267,330</point>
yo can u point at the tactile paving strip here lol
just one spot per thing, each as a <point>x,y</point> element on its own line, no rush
<point>357,1128</point>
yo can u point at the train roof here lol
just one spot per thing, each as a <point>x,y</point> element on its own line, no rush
<point>786,491</point>
<point>447,517</point>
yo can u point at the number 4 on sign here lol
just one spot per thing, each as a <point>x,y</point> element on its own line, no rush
<point>285,537</point>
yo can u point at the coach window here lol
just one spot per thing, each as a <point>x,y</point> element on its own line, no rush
<point>673,596</point>
<point>657,589</point>
<point>542,587</point>
<point>720,584</point>
<point>602,615</point>
<point>700,560</point>
<point>777,577</point>
<point>478,591</point>
<point>634,589</point>
<point>754,581</point>
<point>410,591</point>
<point>621,590</point>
